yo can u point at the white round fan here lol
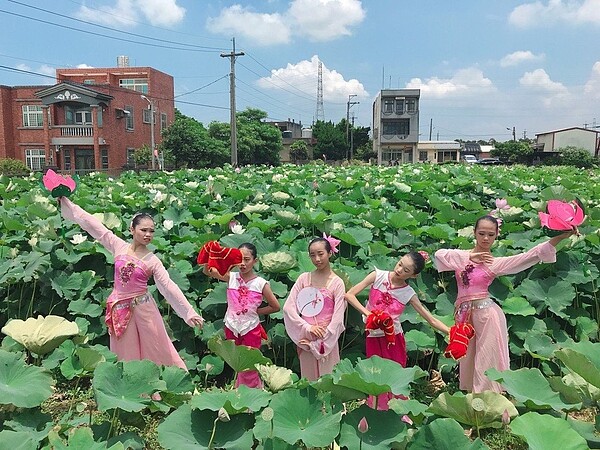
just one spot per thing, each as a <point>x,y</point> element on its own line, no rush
<point>310,302</point>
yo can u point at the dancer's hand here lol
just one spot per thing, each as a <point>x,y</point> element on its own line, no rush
<point>481,257</point>
<point>304,342</point>
<point>317,330</point>
<point>197,322</point>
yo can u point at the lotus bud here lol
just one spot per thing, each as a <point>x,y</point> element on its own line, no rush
<point>363,425</point>
<point>222,415</point>
<point>156,397</point>
<point>406,419</point>
<point>505,417</point>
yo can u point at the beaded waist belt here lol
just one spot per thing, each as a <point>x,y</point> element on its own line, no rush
<point>144,298</point>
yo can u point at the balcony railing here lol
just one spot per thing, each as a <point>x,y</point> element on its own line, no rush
<point>75,130</point>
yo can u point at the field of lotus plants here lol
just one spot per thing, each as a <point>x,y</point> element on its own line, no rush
<point>60,386</point>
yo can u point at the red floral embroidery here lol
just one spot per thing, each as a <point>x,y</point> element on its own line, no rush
<point>125,273</point>
<point>464,275</point>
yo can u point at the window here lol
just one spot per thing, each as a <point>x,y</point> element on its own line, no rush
<point>135,84</point>
<point>83,117</point>
<point>146,113</point>
<point>67,158</point>
<point>130,159</point>
<point>163,121</point>
<point>89,81</point>
<point>411,105</point>
<point>388,105</point>
<point>128,117</point>
<point>396,127</point>
<point>104,157</point>
<point>399,106</point>
<point>35,158</point>
<point>422,156</point>
<point>33,116</point>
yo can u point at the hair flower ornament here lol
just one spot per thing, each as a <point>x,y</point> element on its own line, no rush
<point>333,242</point>
<point>425,255</point>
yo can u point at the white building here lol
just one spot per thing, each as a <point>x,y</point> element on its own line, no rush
<point>552,141</point>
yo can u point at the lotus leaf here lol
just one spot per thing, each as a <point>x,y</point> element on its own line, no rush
<point>82,362</point>
<point>583,358</point>
<point>277,262</point>
<point>543,432</point>
<point>530,387</point>
<point>18,440</point>
<point>41,335</point>
<point>461,408</point>
<point>187,429</point>
<point>235,401</point>
<point>444,434</point>
<point>20,384</point>
<point>239,357</point>
<point>552,293</point>
<point>80,438</point>
<point>302,417</point>
<point>376,376</point>
<point>211,365</point>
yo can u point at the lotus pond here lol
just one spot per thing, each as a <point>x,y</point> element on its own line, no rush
<point>60,386</point>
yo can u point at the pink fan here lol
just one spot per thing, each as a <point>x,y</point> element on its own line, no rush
<point>562,216</point>
<point>58,185</point>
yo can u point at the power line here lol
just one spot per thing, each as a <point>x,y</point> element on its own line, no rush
<point>114,29</point>
<point>202,87</point>
<point>105,36</point>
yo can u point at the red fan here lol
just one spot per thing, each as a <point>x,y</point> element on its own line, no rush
<point>220,258</point>
<point>562,216</point>
<point>380,320</point>
<point>460,335</point>
<point>58,185</point>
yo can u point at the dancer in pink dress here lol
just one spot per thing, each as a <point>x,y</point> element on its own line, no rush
<point>475,270</point>
<point>391,293</point>
<point>245,293</point>
<point>135,325</point>
<point>315,324</point>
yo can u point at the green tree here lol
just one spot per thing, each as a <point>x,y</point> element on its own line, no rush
<point>578,157</point>
<point>142,156</point>
<point>13,167</point>
<point>513,151</point>
<point>191,145</point>
<point>258,142</point>
<point>331,140</point>
<point>298,151</point>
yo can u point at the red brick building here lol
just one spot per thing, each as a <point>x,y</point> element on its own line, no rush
<point>92,119</point>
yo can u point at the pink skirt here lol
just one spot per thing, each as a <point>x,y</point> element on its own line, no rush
<point>252,339</point>
<point>378,346</point>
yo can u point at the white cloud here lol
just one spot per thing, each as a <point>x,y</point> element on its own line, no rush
<point>84,66</point>
<point>43,69</point>
<point>592,87</point>
<point>316,20</point>
<point>540,82</point>
<point>469,81</point>
<point>555,11</point>
<point>304,74</point>
<point>263,29</point>
<point>324,20</point>
<point>518,57</point>
<point>128,12</point>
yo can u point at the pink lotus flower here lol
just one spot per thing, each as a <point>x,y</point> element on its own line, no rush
<point>502,203</point>
<point>406,419</point>
<point>238,170</point>
<point>363,425</point>
<point>315,184</point>
<point>562,216</point>
<point>505,417</point>
<point>58,185</point>
<point>156,397</point>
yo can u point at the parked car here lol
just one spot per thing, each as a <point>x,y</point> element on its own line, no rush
<point>488,161</point>
<point>469,159</point>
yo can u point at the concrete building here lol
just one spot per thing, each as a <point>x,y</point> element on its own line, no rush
<point>292,131</point>
<point>552,141</point>
<point>92,119</point>
<point>396,125</point>
<point>438,151</point>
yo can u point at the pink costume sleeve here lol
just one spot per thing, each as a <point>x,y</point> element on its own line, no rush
<point>171,291</point>
<point>295,326</point>
<point>449,259</point>
<point>507,265</point>
<point>336,326</point>
<point>93,226</point>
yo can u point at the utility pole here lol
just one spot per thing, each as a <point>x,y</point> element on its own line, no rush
<point>232,119</point>
<point>348,105</point>
<point>514,133</point>
<point>152,149</point>
<point>352,138</point>
<point>430,127</point>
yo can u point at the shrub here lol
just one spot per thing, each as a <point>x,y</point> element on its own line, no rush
<point>578,157</point>
<point>13,167</point>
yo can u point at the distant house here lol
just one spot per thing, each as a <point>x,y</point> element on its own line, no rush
<point>552,141</point>
<point>438,151</point>
<point>471,148</point>
<point>292,131</point>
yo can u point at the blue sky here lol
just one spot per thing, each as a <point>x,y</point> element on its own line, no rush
<point>482,66</point>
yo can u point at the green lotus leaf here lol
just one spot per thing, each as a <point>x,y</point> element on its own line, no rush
<point>127,385</point>
<point>540,345</point>
<point>31,421</point>
<point>543,432</point>
<point>109,219</point>
<point>176,380</point>
<point>460,407</point>
<point>286,218</point>
<point>416,410</point>
<point>376,376</point>
<point>80,438</point>
<point>338,393</point>
<point>82,362</point>
<point>384,429</point>
<point>583,358</point>
<point>444,434</point>
<point>277,262</point>
<point>187,429</point>
<point>302,417</point>
<point>18,440</point>
<point>211,365</point>
<point>239,357</point>
<point>517,306</point>
<point>552,293</point>
<point>531,388</point>
<point>41,335</point>
<point>235,401</point>
<point>586,430</point>
<point>20,384</point>
<point>356,236</point>
<point>85,307</point>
